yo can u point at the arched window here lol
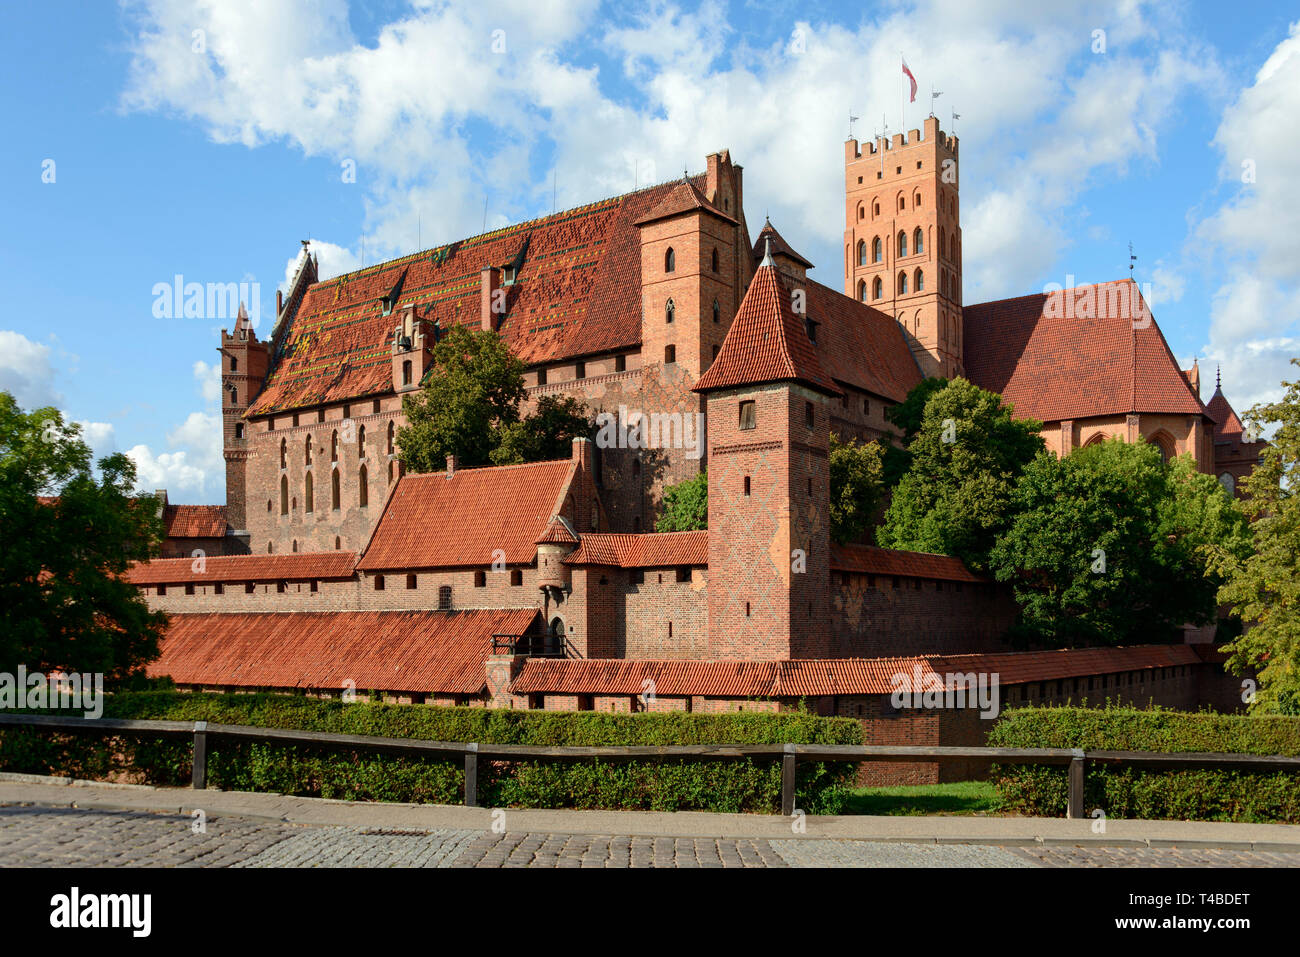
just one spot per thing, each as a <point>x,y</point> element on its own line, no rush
<point>862,252</point>
<point>284,495</point>
<point>918,242</point>
<point>862,290</point>
<point>234,396</point>
<point>406,372</point>
<point>902,203</point>
<point>879,291</point>
<point>862,213</point>
<point>234,364</point>
<point>902,283</point>
<point>919,281</point>
<point>669,311</point>
<point>392,434</point>
<point>1228,482</point>
<point>334,490</point>
<point>902,244</point>
<point>1165,443</point>
<point>390,473</point>
<point>284,454</point>
<point>307,494</point>
<point>877,209</point>
<point>306,451</point>
<point>943,242</point>
<point>670,260</point>
<point>714,260</point>
<point>363,487</point>
<point>877,250</point>
<point>334,446</point>
<point>361,442</point>
<point>916,200</point>
<point>717,312</point>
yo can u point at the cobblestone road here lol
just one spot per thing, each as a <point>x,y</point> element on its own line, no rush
<point>54,837</point>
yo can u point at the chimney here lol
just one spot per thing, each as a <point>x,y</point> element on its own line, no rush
<point>279,302</point>
<point>489,284</point>
<point>451,466</point>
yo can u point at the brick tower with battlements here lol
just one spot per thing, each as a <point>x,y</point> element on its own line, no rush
<point>902,239</point>
<point>244,362</point>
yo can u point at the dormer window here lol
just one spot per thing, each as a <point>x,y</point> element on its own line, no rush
<point>811,326</point>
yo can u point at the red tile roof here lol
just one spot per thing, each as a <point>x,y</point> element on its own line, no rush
<point>1229,432</point>
<point>779,246</point>
<point>578,292</point>
<point>432,521</point>
<point>1052,364</point>
<point>767,342</point>
<point>557,533</point>
<point>420,651</point>
<point>195,521</point>
<point>861,346</point>
<point>240,568</point>
<point>684,197</point>
<point>646,550</point>
<point>830,676</point>
<point>872,560</point>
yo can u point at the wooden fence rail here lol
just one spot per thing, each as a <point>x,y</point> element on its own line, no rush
<point>789,754</point>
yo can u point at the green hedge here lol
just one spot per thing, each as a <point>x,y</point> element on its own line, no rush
<point>742,785</point>
<point>1202,795</point>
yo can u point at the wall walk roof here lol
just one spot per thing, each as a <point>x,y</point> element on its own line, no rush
<point>194,521</point>
<point>241,568</point>
<point>872,560</point>
<point>419,651</point>
<point>643,550</point>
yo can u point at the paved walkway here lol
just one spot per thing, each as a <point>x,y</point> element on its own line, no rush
<point>54,822</point>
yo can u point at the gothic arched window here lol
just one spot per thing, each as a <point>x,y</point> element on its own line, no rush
<point>363,487</point>
<point>862,252</point>
<point>918,242</point>
<point>919,281</point>
<point>284,454</point>
<point>902,283</point>
<point>877,250</point>
<point>308,496</point>
<point>334,446</point>
<point>670,260</point>
<point>902,244</point>
<point>879,291</point>
<point>669,311</point>
<point>284,495</point>
<point>862,290</point>
<point>714,262</point>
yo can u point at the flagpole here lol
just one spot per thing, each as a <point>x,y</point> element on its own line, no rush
<point>902,108</point>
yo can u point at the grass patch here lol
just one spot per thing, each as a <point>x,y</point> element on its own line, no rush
<point>957,797</point>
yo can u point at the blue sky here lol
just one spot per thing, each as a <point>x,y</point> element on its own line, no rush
<point>206,140</point>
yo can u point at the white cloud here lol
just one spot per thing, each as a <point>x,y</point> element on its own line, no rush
<point>1253,238</point>
<point>26,371</point>
<point>169,470</point>
<point>209,379</point>
<point>411,109</point>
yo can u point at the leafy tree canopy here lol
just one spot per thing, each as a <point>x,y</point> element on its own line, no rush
<point>965,460</point>
<point>907,415</point>
<point>1112,546</point>
<point>685,506</point>
<point>857,486</point>
<point>468,406</point>
<point>69,538</point>
<point>1263,586</point>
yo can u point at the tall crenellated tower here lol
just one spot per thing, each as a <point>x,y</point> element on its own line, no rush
<point>769,405</point>
<point>902,239</point>
<point>244,363</point>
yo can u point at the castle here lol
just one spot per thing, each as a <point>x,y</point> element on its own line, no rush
<point>542,585</point>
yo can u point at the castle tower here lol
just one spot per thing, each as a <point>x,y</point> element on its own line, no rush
<point>244,363</point>
<point>769,405</point>
<point>902,239</point>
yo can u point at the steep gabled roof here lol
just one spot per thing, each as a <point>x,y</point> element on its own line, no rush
<point>194,521</point>
<point>558,532</point>
<point>684,197</point>
<point>1230,446</point>
<point>779,246</point>
<point>861,346</point>
<point>1088,351</point>
<point>642,550</point>
<point>433,521</point>
<point>578,292</point>
<point>767,342</point>
<point>421,651</point>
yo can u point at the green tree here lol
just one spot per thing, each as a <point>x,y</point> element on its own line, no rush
<point>472,391</point>
<point>907,415</point>
<point>547,433</point>
<point>1263,587</point>
<point>965,459</point>
<point>1112,546</point>
<point>857,487</point>
<point>685,506</point>
<point>69,539</point>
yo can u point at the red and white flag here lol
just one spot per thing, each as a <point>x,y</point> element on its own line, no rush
<point>908,74</point>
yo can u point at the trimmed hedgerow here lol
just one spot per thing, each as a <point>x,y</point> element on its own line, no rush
<point>1202,795</point>
<point>740,785</point>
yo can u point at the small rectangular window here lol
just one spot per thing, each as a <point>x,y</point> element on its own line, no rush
<point>162,589</point>
<point>580,370</point>
<point>541,377</point>
<point>315,585</point>
<point>808,414</point>
<point>249,588</point>
<point>218,589</point>
<point>620,363</point>
<point>748,414</point>
<point>684,573</point>
<point>746,484</point>
<point>480,579</point>
<point>410,581</point>
<point>280,587</point>
<point>636,576</point>
<point>516,576</point>
<point>444,597</point>
<point>670,355</point>
<point>379,583</point>
<point>189,588</point>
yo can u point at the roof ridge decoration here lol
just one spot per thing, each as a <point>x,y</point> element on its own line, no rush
<point>767,342</point>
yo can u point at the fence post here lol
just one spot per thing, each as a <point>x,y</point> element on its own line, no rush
<point>471,775</point>
<point>1075,808</point>
<point>787,781</point>
<point>200,778</point>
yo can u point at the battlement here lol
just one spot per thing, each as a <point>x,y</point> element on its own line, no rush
<point>929,134</point>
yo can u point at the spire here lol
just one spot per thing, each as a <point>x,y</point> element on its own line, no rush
<point>1218,370</point>
<point>767,253</point>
